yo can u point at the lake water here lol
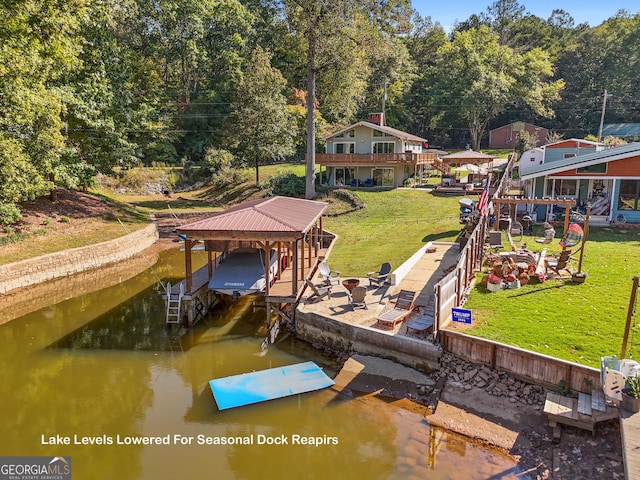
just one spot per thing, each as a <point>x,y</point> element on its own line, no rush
<point>101,372</point>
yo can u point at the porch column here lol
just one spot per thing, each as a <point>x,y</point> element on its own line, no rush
<point>188,265</point>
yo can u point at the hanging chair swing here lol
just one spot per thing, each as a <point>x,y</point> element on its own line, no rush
<point>572,237</point>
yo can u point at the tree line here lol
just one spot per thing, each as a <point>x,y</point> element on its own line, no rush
<point>87,86</point>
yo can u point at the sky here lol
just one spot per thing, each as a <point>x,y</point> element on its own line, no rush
<point>593,12</point>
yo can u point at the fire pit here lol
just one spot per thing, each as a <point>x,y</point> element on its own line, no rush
<point>350,283</point>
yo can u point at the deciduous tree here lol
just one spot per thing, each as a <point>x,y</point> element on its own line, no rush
<point>261,126</point>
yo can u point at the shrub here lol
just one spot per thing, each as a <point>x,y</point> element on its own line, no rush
<point>286,184</point>
<point>9,213</point>
<point>65,219</point>
<point>349,197</point>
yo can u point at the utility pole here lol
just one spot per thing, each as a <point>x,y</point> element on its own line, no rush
<point>384,103</point>
<point>604,104</point>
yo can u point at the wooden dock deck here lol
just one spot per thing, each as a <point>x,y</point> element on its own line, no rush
<point>630,433</point>
<point>584,412</point>
<point>281,289</point>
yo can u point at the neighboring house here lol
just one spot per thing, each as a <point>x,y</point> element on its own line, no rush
<point>556,151</point>
<point>368,154</point>
<point>507,135</point>
<point>621,130</point>
<point>606,179</point>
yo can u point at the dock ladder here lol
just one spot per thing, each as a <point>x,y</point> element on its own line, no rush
<point>174,303</point>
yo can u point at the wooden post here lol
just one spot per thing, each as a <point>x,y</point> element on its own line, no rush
<point>567,214</point>
<point>584,237</point>
<point>632,307</point>
<point>294,269</point>
<point>267,267</point>
<point>188,265</point>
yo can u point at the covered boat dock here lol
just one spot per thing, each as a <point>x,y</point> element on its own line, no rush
<point>290,226</point>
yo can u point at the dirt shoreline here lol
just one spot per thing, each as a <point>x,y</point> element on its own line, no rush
<point>518,428</point>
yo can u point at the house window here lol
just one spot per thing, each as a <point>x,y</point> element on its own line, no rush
<point>629,195</point>
<point>599,168</point>
<point>383,147</point>
<point>349,134</point>
<point>378,133</point>
<point>568,155</point>
<point>344,176</point>
<point>563,187</point>
<point>383,177</point>
<point>345,147</point>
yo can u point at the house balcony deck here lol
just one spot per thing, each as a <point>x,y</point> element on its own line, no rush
<point>370,159</point>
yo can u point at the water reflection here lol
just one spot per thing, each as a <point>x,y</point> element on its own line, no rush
<point>114,371</point>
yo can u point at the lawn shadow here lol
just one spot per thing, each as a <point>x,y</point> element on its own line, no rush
<point>542,290</point>
<point>434,237</point>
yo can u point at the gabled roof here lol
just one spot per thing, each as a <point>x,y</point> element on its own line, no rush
<point>467,156</point>
<point>518,124</point>
<point>381,128</point>
<point>283,215</point>
<point>573,143</point>
<point>580,161</point>
<point>621,130</point>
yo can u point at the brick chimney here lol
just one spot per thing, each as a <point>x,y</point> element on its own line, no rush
<point>377,118</point>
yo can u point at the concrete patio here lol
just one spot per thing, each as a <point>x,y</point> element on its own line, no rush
<point>333,322</point>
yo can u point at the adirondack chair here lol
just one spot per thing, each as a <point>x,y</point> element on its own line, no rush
<point>401,310</point>
<point>318,292</point>
<point>558,265</point>
<point>330,277</point>
<point>380,277</point>
<point>357,298</point>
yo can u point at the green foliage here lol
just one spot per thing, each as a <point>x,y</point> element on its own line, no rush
<point>9,213</point>
<point>286,184</point>
<point>563,387</point>
<point>348,196</point>
<point>216,160</point>
<point>229,175</point>
<point>526,141</point>
<point>261,127</point>
<point>478,77</point>
<point>633,386</point>
<point>141,180</point>
<point>65,219</point>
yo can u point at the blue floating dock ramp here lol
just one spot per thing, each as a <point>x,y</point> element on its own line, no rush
<point>279,382</point>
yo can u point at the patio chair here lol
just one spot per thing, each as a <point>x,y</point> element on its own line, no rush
<point>517,230</point>
<point>357,298</point>
<point>549,234</point>
<point>330,277</point>
<point>558,265</point>
<point>380,277</point>
<point>318,292</point>
<point>401,310</point>
<point>424,323</point>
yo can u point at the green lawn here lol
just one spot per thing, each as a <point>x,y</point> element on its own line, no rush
<point>576,322</point>
<point>391,227</point>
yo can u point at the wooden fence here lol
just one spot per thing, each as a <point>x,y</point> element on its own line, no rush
<point>524,364</point>
<point>533,367</point>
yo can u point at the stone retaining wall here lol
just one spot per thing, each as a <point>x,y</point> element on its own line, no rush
<point>350,338</point>
<point>68,262</point>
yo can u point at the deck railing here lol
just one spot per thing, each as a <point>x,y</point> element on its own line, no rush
<point>375,158</point>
